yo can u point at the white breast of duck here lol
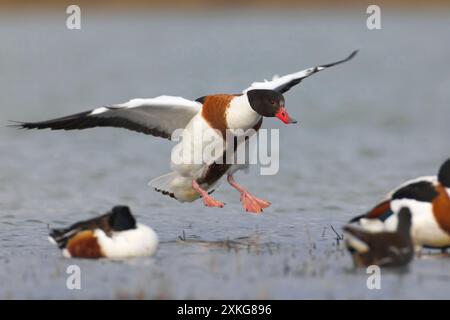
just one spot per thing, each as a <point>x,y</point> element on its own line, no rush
<point>207,130</point>
<point>425,230</point>
<point>138,242</point>
<point>240,114</point>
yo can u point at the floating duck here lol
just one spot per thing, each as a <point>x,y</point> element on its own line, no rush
<point>428,198</point>
<point>114,235</point>
<point>385,248</point>
<point>163,115</point>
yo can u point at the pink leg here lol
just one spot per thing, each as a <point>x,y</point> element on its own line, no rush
<point>207,199</point>
<point>249,201</point>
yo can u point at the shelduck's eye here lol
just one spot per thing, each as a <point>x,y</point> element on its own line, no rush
<point>272,102</point>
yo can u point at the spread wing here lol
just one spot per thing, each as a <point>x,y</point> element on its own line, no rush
<point>284,83</point>
<point>159,116</point>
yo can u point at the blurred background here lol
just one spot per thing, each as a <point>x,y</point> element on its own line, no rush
<point>365,126</point>
<point>233,4</point>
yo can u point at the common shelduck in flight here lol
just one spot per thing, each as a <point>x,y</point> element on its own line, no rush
<point>114,235</point>
<point>428,198</point>
<point>384,248</point>
<point>163,115</point>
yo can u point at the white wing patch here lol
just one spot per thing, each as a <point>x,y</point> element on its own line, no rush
<point>284,83</point>
<point>278,81</point>
<point>168,101</point>
<point>98,111</point>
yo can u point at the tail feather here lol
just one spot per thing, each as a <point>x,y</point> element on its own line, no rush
<point>357,218</point>
<point>163,184</point>
<point>176,186</point>
<point>62,236</point>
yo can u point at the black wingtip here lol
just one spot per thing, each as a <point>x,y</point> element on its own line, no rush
<point>59,237</point>
<point>16,124</point>
<point>351,56</point>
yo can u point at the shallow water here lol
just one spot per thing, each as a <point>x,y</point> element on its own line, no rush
<point>364,127</point>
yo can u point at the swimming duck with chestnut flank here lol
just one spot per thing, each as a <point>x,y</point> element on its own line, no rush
<point>114,235</point>
<point>428,198</point>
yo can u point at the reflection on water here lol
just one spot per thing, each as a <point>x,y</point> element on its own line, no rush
<point>364,127</point>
